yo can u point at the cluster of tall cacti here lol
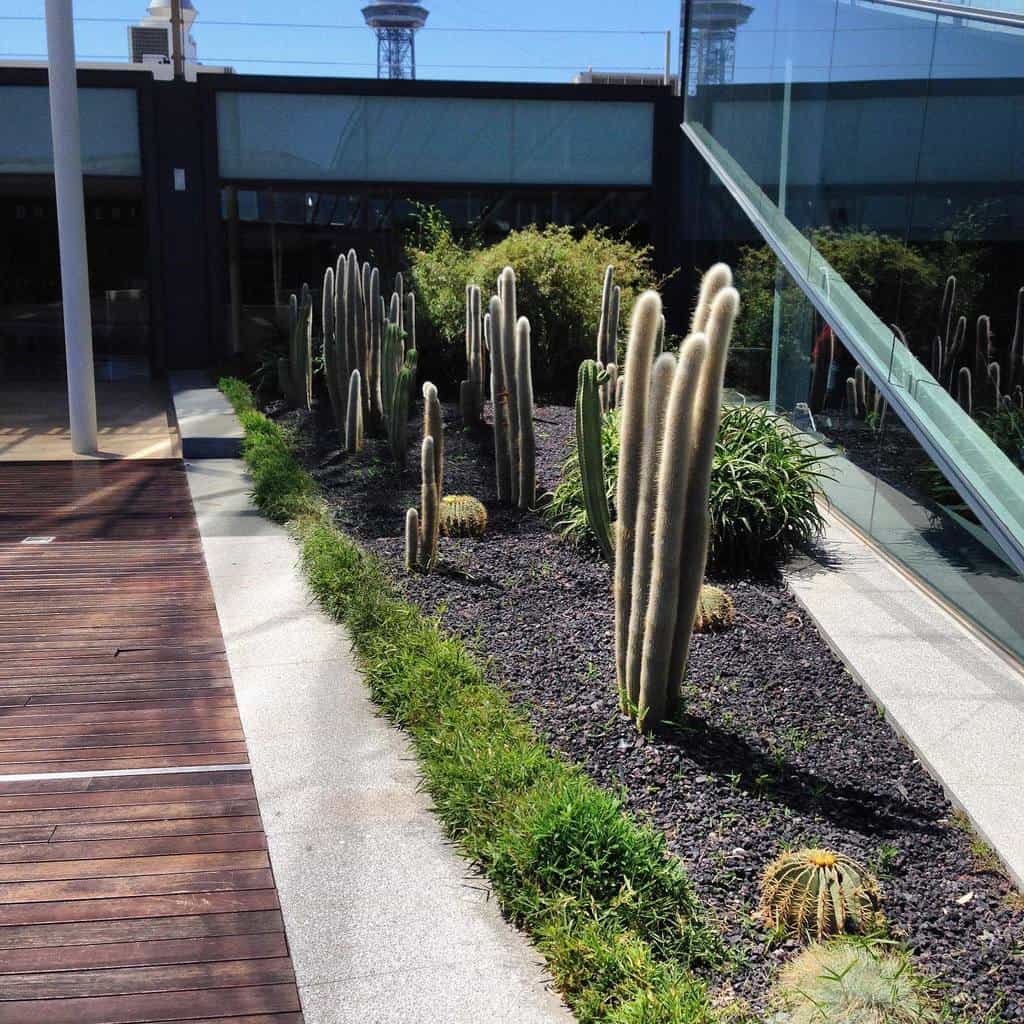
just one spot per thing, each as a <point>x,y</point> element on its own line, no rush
<point>367,345</point>
<point>992,376</point>
<point>471,390</point>
<point>864,400</point>
<point>507,339</point>
<point>669,424</point>
<point>423,527</point>
<point>295,371</point>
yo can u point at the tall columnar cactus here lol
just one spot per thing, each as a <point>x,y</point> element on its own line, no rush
<point>1016,355</point>
<point>298,375</point>
<point>963,390</point>
<point>507,326</point>
<point>430,506</point>
<point>500,401</point>
<point>471,391</point>
<point>591,456</point>
<point>511,395</point>
<point>431,485</point>
<point>398,372</point>
<point>983,354</point>
<point>526,490</point>
<point>354,414</point>
<point>412,539</point>
<point>668,426</point>
<point>375,322</point>
<point>852,406</point>
<point>608,332</point>
<point>409,319</point>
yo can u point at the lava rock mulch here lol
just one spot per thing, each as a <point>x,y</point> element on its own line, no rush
<point>779,747</point>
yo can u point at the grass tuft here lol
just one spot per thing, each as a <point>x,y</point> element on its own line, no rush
<point>611,910</point>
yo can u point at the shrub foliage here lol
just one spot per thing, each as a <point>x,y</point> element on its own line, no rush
<point>559,273</point>
<point>764,483</point>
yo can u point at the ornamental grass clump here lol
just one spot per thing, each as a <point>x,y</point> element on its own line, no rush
<point>763,501</point>
<point>851,983</point>
<point>819,893</point>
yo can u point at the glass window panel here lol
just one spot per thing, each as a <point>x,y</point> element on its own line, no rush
<point>109,123</point>
<point>408,139</point>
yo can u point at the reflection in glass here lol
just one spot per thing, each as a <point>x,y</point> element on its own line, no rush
<point>861,168</point>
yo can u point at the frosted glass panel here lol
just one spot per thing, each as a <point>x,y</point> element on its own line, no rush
<point>285,136</point>
<point>110,131</point>
<point>439,139</point>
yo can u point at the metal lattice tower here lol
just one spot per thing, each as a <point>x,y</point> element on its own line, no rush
<point>395,25</point>
<point>712,56</point>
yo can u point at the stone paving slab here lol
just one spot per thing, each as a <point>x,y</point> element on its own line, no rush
<point>386,923</point>
<point>956,701</point>
<point>207,424</point>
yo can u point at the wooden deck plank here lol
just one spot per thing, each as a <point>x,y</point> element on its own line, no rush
<point>131,898</point>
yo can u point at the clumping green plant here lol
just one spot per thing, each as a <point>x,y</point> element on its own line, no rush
<point>560,272</point>
<point>765,483</point>
<point>819,893</point>
<point>852,983</point>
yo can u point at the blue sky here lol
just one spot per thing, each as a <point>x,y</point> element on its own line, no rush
<point>441,51</point>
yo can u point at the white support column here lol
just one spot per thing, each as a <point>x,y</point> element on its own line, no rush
<point>74,262</point>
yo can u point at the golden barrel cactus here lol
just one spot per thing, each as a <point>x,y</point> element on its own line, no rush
<point>819,893</point>
<point>462,516</point>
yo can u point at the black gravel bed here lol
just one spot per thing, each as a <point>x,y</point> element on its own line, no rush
<point>780,747</point>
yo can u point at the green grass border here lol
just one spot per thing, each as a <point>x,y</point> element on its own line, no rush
<point>611,910</point>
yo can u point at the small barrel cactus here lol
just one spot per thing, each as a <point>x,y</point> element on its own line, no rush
<point>819,893</point>
<point>462,516</point>
<point>715,610</point>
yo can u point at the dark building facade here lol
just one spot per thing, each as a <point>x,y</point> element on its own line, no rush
<point>209,201</point>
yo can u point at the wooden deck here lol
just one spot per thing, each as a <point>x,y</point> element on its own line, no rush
<point>130,897</point>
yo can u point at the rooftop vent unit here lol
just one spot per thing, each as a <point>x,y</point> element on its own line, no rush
<point>150,40</point>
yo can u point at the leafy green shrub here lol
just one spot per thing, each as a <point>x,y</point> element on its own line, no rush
<point>559,274</point>
<point>851,983</point>
<point>764,485</point>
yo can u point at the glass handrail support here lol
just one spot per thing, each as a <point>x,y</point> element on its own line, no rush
<point>987,480</point>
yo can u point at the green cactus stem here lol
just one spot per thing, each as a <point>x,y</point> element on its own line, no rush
<point>639,359</point>
<point>670,526</point>
<point>527,445</point>
<point>433,426</point>
<point>591,456</point>
<point>412,539</point>
<point>704,431</point>
<point>354,414</point>
<point>499,401</point>
<point>601,355</point>
<point>430,501</point>
<point>509,318</point>
<point>662,376</point>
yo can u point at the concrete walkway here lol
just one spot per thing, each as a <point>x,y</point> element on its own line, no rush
<point>959,704</point>
<point>385,922</point>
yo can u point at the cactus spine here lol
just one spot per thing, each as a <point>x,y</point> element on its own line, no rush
<point>666,447</point>
<point>354,414</point>
<point>527,445</point>
<point>591,456</point>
